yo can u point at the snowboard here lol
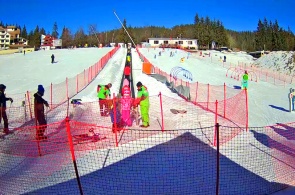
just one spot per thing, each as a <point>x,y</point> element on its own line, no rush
<point>175,111</point>
<point>82,138</point>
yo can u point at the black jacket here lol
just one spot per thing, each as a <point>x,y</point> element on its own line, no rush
<point>3,99</point>
<point>39,102</point>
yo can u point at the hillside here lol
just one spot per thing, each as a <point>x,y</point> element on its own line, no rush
<point>281,61</point>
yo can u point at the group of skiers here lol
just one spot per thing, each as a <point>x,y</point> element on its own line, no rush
<point>121,111</point>
<point>39,104</point>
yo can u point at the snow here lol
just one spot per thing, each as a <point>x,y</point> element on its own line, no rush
<point>268,103</point>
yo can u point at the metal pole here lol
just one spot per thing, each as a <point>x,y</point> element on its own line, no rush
<point>217,160</point>
<point>95,34</point>
<point>124,29</point>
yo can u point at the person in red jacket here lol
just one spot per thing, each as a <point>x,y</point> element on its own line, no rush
<point>127,72</point>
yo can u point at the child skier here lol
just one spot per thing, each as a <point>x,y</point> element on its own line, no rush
<point>126,103</point>
<point>245,80</point>
<point>116,117</point>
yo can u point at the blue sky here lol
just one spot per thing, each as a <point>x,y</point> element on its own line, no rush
<point>74,14</point>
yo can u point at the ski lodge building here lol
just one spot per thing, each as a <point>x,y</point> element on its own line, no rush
<point>174,43</point>
<point>10,38</point>
<point>49,42</point>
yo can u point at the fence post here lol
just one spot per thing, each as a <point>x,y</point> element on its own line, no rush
<point>67,88</point>
<point>224,99</point>
<point>115,118</point>
<point>196,92</point>
<point>73,154</point>
<point>215,132</point>
<point>247,109</point>
<point>84,79</point>
<point>30,107</point>
<point>51,95</point>
<point>208,96</point>
<point>77,84</point>
<point>217,159</point>
<point>162,115</point>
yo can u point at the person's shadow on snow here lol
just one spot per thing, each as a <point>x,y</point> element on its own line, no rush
<point>237,87</point>
<point>284,130</point>
<point>279,108</point>
<point>273,144</point>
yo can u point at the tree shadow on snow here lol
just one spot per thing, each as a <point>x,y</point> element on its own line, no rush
<point>279,108</point>
<point>183,165</point>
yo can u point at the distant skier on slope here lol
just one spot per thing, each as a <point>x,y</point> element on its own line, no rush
<point>291,100</point>
<point>52,59</point>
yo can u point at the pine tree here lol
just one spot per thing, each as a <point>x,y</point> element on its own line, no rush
<point>79,38</point>
<point>55,31</point>
<point>24,33</point>
<point>123,37</point>
<point>66,38</point>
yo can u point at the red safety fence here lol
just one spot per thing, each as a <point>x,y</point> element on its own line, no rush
<point>206,95</point>
<point>190,147</point>
<point>87,158</point>
<point>236,69</point>
<point>22,110</point>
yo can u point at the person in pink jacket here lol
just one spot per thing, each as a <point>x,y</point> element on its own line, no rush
<point>126,103</point>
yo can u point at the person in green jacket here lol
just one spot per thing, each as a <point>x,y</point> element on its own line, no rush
<point>103,92</point>
<point>245,80</point>
<point>143,100</point>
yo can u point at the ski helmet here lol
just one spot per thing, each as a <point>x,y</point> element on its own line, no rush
<point>2,87</point>
<point>139,84</point>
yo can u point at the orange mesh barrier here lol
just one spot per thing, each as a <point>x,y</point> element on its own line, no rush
<point>162,160</point>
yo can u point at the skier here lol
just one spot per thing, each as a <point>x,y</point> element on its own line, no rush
<point>291,100</point>
<point>127,72</point>
<point>245,80</point>
<point>103,92</point>
<point>126,103</point>
<point>115,113</point>
<point>39,103</point>
<point>143,100</point>
<point>52,59</point>
<point>128,59</point>
<point>3,114</point>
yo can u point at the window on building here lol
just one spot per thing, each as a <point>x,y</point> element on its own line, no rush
<point>156,42</point>
<point>7,36</point>
<point>2,36</point>
<point>189,42</point>
<point>180,42</point>
<point>165,42</point>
